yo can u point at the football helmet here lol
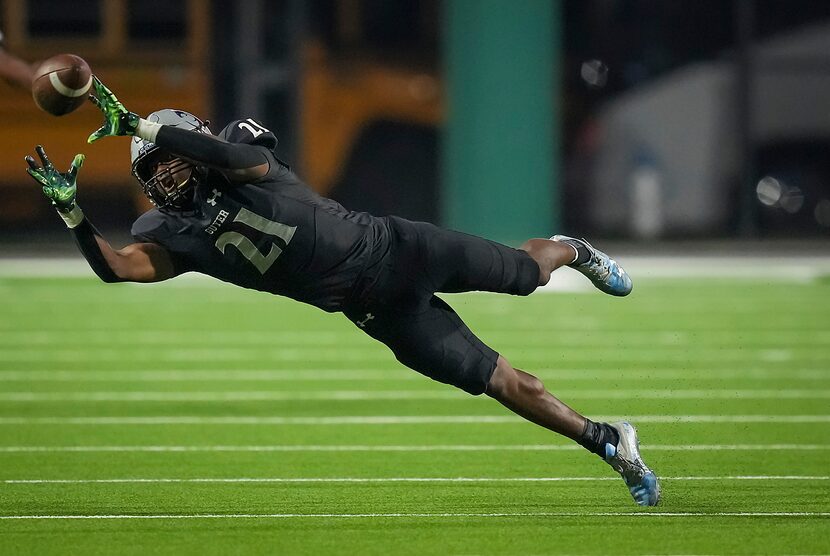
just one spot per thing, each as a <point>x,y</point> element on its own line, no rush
<point>172,185</point>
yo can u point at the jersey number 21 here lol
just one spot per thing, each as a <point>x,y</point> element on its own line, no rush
<point>247,247</point>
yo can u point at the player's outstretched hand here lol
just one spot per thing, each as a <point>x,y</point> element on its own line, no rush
<point>61,188</point>
<point>117,119</point>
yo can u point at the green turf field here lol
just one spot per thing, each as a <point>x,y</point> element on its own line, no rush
<point>193,417</point>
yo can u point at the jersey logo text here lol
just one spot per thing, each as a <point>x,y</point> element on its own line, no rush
<point>218,221</point>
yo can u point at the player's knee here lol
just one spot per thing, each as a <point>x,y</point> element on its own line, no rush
<point>536,248</point>
<point>503,379</point>
<point>509,383</point>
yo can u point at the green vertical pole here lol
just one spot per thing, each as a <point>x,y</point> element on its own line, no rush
<point>501,142</point>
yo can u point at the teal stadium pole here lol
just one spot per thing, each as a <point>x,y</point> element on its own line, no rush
<point>501,141</point>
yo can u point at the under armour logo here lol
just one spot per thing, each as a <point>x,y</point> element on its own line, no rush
<point>362,323</point>
<point>216,195</point>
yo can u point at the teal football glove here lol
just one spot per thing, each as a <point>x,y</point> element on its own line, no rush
<point>59,187</point>
<point>117,119</point>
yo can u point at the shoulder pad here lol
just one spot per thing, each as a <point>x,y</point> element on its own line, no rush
<point>149,226</point>
<point>249,131</point>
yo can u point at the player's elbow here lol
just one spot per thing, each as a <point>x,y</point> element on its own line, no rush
<point>118,267</point>
<point>107,274</point>
<point>141,262</point>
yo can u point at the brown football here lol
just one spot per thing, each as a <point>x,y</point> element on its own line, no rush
<point>61,84</point>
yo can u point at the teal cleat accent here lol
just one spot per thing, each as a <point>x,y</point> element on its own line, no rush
<point>601,270</point>
<point>626,460</point>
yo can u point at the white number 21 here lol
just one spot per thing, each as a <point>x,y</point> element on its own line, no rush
<point>252,126</point>
<point>247,247</point>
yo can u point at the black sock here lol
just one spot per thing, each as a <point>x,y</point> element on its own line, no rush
<point>596,436</point>
<point>582,253</point>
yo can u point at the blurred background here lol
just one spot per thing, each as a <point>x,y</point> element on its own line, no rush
<point>637,120</point>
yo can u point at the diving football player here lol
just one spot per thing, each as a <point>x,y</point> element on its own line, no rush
<point>226,206</point>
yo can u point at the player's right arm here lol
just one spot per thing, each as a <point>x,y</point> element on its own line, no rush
<point>238,162</point>
<point>138,262</point>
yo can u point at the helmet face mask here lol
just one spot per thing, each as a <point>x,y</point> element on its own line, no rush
<point>166,180</point>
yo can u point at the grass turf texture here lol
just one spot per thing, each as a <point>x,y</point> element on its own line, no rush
<point>191,379</point>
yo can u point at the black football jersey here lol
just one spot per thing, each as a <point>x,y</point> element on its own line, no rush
<point>272,234</point>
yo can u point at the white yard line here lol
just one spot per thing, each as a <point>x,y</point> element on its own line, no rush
<point>735,265</point>
<point>346,395</point>
<point>331,395</point>
<point>413,448</point>
<point>393,419</point>
<point>785,341</point>
<point>164,339</point>
<point>513,337</point>
<point>355,354</point>
<point>636,514</point>
<point>399,479</point>
<point>290,375</point>
<point>350,353</point>
<point>391,374</point>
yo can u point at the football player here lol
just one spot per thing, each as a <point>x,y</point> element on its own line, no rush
<point>228,207</point>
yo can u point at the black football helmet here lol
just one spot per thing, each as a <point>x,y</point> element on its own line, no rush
<point>174,185</point>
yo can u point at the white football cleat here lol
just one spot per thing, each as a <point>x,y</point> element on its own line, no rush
<point>626,460</point>
<point>603,271</point>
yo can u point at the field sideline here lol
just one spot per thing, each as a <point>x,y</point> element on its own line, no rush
<point>194,417</point>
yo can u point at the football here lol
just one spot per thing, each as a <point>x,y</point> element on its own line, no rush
<point>61,84</point>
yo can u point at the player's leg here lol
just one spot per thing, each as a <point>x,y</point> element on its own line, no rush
<point>525,395</point>
<point>549,255</point>
<point>457,262</point>
<point>452,262</point>
<point>616,443</point>
<point>428,336</point>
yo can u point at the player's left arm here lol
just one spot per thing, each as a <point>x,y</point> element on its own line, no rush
<point>138,262</point>
<point>238,161</point>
